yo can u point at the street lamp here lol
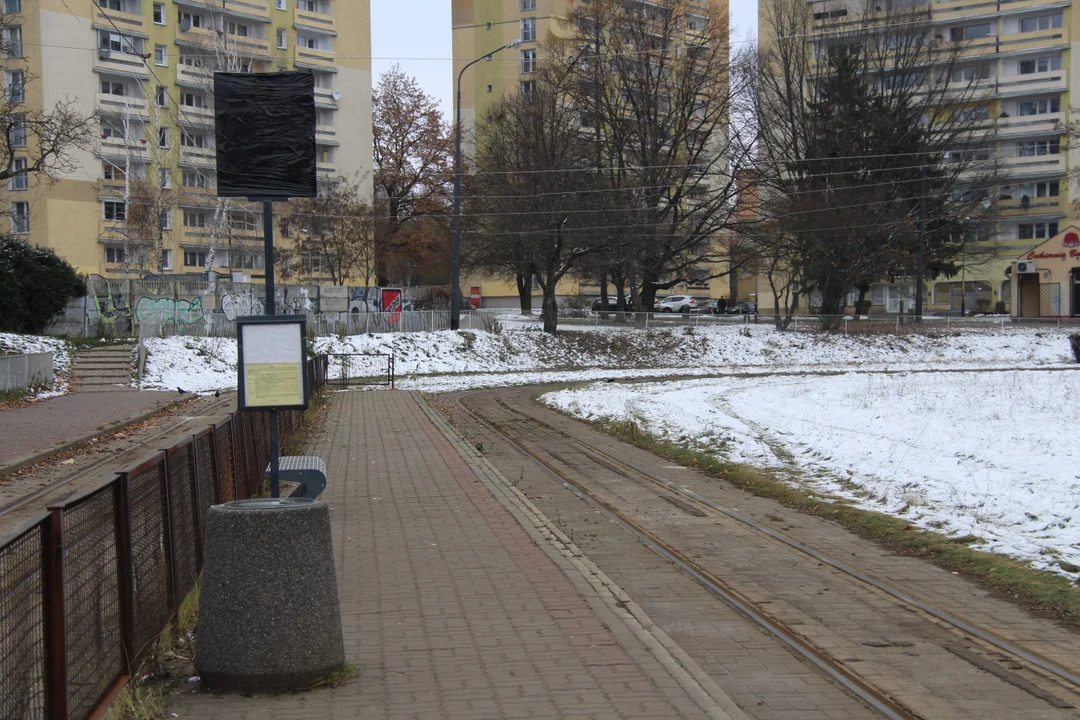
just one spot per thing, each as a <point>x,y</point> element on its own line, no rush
<point>455,287</point>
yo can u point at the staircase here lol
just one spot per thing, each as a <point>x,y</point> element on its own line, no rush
<point>102,368</point>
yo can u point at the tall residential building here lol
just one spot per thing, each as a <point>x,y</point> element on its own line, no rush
<point>144,70</point>
<point>1018,53</point>
<point>481,26</point>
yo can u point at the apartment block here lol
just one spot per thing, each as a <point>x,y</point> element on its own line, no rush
<point>143,69</point>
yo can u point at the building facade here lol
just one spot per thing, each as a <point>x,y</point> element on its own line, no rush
<point>480,26</point>
<point>1019,56</point>
<point>141,200</point>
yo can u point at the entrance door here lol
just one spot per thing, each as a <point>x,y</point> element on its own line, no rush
<point>1076,292</point>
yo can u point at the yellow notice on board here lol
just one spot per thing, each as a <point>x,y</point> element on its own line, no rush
<point>273,384</point>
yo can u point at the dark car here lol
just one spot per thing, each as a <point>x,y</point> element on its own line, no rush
<point>743,308</point>
<point>612,304</point>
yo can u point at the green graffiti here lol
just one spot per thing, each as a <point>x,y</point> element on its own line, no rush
<point>163,310</point>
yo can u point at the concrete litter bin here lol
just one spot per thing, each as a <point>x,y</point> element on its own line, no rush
<point>269,618</point>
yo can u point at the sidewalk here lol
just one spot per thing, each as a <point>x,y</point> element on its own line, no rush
<point>456,602</point>
<point>50,423</point>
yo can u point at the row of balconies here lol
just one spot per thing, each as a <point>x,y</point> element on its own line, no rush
<point>937,12</point>
<point>259,11</point>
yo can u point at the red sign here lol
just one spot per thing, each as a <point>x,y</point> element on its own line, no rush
<point>391,303</point>
<point>474,296</point>
<point>1071,240</point>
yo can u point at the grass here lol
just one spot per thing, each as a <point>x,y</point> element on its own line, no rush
<point>1041,591</point>
<point>343,675</point>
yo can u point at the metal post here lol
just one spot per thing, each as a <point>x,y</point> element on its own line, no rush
<point>919,291</point>
<point>455,268</point>
<point>268,239</point>
<point>52,535</point>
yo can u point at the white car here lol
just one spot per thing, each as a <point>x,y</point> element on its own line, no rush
<point>678,303</point>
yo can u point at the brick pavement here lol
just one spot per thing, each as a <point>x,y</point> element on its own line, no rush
<point>450,607</point>
<point>48,423</point>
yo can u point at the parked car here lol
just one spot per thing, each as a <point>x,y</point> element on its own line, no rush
<point>678,303</point>
<point>612,304</point>
<point>717,307</point>
<point>743,308</point>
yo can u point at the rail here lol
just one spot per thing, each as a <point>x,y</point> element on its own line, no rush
<point>87,587</point>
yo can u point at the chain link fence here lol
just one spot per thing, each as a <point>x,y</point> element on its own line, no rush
<point>86,588</point>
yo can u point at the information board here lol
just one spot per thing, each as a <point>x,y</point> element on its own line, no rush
<point>272,362</point>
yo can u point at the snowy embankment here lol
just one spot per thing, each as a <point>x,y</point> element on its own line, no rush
<point>12,344</point>
<point>987,454</point>
<point>461,360</point>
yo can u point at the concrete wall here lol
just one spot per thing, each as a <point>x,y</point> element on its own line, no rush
<point>23,371</point>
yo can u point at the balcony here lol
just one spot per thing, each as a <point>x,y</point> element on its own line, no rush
<point>194,76</point>
<point>255,10</point>
<point>1040,40</point>
<point>1031,125</point>
<point>117,147</point>
<point>326,168</point>
<point>314,21</point>
<point>1055,80</point>
<point>123,105</point>
<point>189,115</point>
<point>326,135</point>
<point>196,156</point>
<point>325,96</point>
<point>1036,206</point>
<point>1037,165</point>
<point>213,39</point>
<point>958,9</point>
<point>120,62</point>
<point>314,58</point>
<point>124,21</point>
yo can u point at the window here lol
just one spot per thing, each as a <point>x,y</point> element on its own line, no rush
<point>971,72</point>
<point>194,259</point>
<point>116,42</point>
<point>161,55</point>
<point>238,29</point>
<point>971,32</point>
<point>194,218</point>
<point>527,5</point>
<point>114,254</point>
<point>165,220</point>
<point>12,6</point>
<point>973,114</point>
<point>108,87</point>
<point>20,218</point>
<point>111,129</point>
<point>1037,231</point>
<point>117,5</point>
<point>1042,22</point>
<point>164,178</point>
<point>528,29</point>
<point>1040,65</point>
<point>282,38</point>
<point>110,171</point>
<point>1031,148</point>
<point>14,86</point>
<point>195,179</point>
<point>161,96</point>
<point>528,88</point>
<point>1040,107</point>
<point>163,138</point>
<point>280,4</point>
<point>19,179</point>
<point>190,19</point>
<point>115,210</point>
<point>307,42</point>
<point>17,130</point>
<point>13,42</point>
<point>159,13</point>
<point>242,221</point>
<point>1047,188</point>
<point>193,99</point>
<point>166,259</point>
<point>528,61</point>
<point>189,140</point>
<point>306,5</point>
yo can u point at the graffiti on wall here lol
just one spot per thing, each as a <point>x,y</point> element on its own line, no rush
<point>240,303</point>
<point>164,310</point>
<point>362,299</point>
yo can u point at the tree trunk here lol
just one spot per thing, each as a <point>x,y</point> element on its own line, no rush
<point>603,291</point>
<point>833,295</point>
<point>550,310</point>
<point>648,291</point>
<point>524,288</point>
<point>620,290</point>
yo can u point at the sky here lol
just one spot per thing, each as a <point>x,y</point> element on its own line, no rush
<point>416,35</point>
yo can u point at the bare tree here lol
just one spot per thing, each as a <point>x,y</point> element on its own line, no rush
<point>333,234</point>
<point>862,130</point>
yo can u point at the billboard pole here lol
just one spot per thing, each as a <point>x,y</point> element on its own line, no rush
<point>268,251</point>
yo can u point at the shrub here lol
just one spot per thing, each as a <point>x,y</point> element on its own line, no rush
<point>35,285</point>
<point>1074,340</point>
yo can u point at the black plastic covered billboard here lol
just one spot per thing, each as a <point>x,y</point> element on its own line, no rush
<point>265,134</point>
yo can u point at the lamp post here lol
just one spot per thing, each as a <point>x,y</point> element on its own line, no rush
<point>455,283</point>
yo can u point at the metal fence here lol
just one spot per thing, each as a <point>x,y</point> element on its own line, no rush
<point>348,369</point>
<point>908,324</point>
<point>86,588</point>
<point>23,371</point>
<point>358,323</point>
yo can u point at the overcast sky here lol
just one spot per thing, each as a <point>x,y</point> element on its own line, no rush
<point>416,35</point>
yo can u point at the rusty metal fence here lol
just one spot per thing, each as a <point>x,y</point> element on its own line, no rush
<point>86,588</point>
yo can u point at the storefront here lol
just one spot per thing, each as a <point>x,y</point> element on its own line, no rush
<point>1046,280</point>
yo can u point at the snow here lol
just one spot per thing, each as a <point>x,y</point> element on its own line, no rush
<point>445,361</point>
<point>985,454</point>
<point>13,344</point>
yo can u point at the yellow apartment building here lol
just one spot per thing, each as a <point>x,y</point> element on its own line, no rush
<point>1020,55</point>
<point>479,27</point>
<point>143,69</point>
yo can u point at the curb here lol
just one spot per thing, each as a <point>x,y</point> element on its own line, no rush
<point>36,456</point>
<point>698,685</point>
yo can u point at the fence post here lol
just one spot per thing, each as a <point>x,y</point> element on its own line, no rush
<point>125,570</point>
<point>897,323</point>
<point>167,527</point>
<point>55,630</point>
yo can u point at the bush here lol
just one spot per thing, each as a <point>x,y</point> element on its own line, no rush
<point>1074,340</point>
<point>35,285</point>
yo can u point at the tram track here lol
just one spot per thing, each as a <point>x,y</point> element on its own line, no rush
<point>1055,682</point>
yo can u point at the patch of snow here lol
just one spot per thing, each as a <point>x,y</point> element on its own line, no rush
<point>198,365</point>
<point>14,344</point>
<point>985,454</point>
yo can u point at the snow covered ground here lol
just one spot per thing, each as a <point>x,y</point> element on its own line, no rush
<point>989,454</point>
<point>12,344</point>
<point>445,361</point>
